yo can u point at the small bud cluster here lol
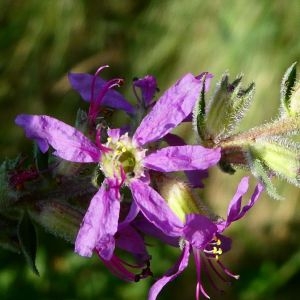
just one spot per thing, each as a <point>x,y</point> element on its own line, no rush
<point>267,150</point>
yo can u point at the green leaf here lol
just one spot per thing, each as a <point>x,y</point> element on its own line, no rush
<point>287,86</point>
<point>28,241</point>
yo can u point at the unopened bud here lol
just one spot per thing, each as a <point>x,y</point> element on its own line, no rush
<point>60,219</point>
<point>227,107</point>
<point>180,198</point>
<point>280,155</point>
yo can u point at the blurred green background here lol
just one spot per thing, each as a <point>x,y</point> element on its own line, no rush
<point>41,41</point>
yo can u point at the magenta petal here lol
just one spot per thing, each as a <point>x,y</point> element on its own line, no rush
<point>114,133</point>
<point>195,177</point>
<point>178,158</point>
<point>68,142</point>
<point>118,268</point>
<point>225,242</point>
<point>129,240</point>
<point>199,230</point>
<point>82,83</point>
<point>133,212</point>
<point>235,204</point>
<point>208,77</point>
<point>100,223</point>
<point>172,107</point>
<point>235,209</point>
<point>155,209</point>
<point>150,229</point>
<point>174,140</point>
<point>148,86</point>
<point>172,273</point>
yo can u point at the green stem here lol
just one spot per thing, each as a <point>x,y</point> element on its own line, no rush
<point>279,127</point>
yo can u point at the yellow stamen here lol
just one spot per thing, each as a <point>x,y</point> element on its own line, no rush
<point>217,250</point>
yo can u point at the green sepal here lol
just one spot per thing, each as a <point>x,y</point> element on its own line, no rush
<point>261,172</point>
<point>227,107</point>
<point>217,108</point>
<point>41,159</point>
<point>295,100</point>
<point>57,217</point>
<point>287,87</point>
<point>81,121</point>
<point>199,114</point>
<point>280,155</point>
<point>28,241</point>
<point>242,101</point>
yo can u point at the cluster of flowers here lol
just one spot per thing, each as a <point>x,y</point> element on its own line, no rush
<point>138,194</point>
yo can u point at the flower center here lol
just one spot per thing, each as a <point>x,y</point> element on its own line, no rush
<point>127,160</point>
<point>123,161</point>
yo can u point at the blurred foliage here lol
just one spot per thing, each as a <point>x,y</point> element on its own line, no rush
<point>40,41</point>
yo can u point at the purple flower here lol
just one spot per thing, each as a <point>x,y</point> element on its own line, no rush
<point>98,92</point>
<point>195,177</point>
<point>206,78</point>
<point>148,87</point>
<point>204,238</point>
<point>126,160</point>
<point>129,240</point>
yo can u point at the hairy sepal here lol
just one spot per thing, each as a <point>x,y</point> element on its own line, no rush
<point>288,84</point>
<point>280,155</point>
<point>199,115</point>
<point>263,174</point>
<point>227,107</point>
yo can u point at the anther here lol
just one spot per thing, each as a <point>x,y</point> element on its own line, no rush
<point>217,250</point>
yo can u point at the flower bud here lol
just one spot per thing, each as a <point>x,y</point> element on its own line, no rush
<point>58,218</point>
<point>180,197</point>
<point>226,108</point>
<point>280,155</point>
